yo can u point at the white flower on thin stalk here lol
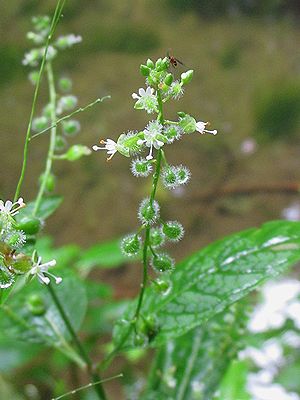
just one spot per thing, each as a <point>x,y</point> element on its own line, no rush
<point>109,145</point>
<point>152,137</point>
<point>41,271</point>
<point>10,208</point>
<point>146,100</point>
<point>200,127</point>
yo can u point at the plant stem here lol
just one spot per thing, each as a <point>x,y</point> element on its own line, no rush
<point>49,159</point>
<point>93,375</point>
<point>55,19</point>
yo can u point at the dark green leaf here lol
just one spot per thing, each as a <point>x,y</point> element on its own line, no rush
<point>216,277</point>
<point>47,207</point>
<point>192,366</point>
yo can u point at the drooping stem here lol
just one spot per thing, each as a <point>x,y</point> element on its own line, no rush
<point>54,22</point>
<point>49,159</point>
<point>95,378</point>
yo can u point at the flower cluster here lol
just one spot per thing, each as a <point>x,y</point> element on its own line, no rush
<point>65,101</point>
<point>13,235</point>
<point>161,86</point>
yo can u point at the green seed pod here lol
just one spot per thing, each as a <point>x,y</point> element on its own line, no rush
<point>65,84</point>
<point>173,231</point>
<point>29,225</point>
<point>131,245</point>
<point>157,238</point>
<point>71,127</point>
<point>162,262</point>
<point>144,70</point>
<point>60,143</point>
<point>163,285</point>
<point>148,213</point>
<point>36,305</point>
<point>168,79</point>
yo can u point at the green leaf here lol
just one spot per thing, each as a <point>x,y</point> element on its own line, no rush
<point>47,207</point>
<point>192,366</point>
<point>212,279</point>
<point>233,386</point>
<point>19,322</point>
<point>103,255</point>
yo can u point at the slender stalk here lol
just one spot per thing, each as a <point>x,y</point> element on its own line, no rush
<point>49,159</point>
<point>160,156</point>
<point>95,378</point>
<point>54,22</point>
<point>80,109</point>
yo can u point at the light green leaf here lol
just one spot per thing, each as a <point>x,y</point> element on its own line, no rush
<point>47,207</point>
<point>212,279</point>
<point>191,366</point>
<point>233,386</point>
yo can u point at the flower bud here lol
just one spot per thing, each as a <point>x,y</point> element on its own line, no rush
<point>29,225</point>
<point>168,79</point>
<point>76,152</point>
<point>148,213</point>
<point>71,127</point>
<point>162,262</point>
<point>163,285</point>
<point>21,263</point>
<point>36,304</point>
<point>66,103</point>
<point>145,71</point>
<point>150,63</point>
<point>131,245</point>
<point>141,167</point>
<point>187,76</point>
<point>173,231</point>
<point>16,239</point>
<point>157,238</point>
<point>33,77</point>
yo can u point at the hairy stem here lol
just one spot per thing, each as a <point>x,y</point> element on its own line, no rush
<point>54,22</point>
<point>95,378</point>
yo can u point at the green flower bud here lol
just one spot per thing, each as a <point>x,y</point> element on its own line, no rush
<point>33,77</point>
<point>144,70</point>
<point>36,305</point>
<point>16,239</point>
<point>173,230</point>
<point>150,63</point>
<point>162,262</point>
<point>149,327</point>
<point>163,285</point>
<point>76,152</point>
<point>168,79</point>
<point>158,64</point>
<point>21,263</point>
<point>187,76</point>
<point>129,143</point>
<point>131,245</point>
<point>29,225</point>
<point>40,123</point>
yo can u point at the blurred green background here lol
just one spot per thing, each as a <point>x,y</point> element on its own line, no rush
<point>246,59</point>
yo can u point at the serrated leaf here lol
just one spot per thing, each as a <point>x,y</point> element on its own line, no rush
<point>216,277</point>
<point>47,207</point>
<point>191,366</point>
<point>102,255</point>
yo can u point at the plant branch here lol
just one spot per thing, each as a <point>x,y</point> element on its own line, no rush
<point>54,22</point>
<point>95,378</point>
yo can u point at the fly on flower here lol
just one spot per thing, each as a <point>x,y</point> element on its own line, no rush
<point>173,60</point>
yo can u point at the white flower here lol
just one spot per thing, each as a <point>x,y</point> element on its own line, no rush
<point>200,127</point>
<point>152,137</point>
<point>109,145</point>
<point>64,42</point>
<point>40,270</point>
<point>11,208</point>
<point>146,100</point>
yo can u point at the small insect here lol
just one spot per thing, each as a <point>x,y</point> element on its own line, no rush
<point>173,60</point>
